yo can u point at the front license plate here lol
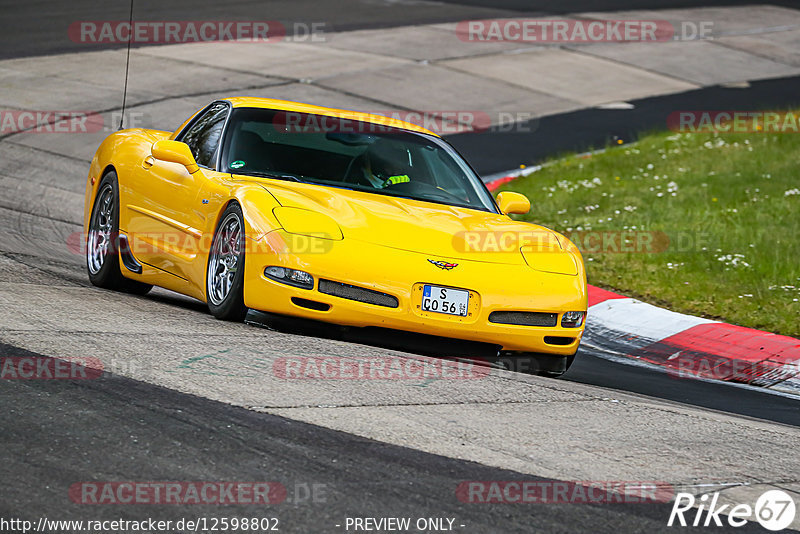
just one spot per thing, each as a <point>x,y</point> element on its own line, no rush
<point>445,300</point>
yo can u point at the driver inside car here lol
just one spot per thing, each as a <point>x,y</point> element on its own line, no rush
<point>385,164</point>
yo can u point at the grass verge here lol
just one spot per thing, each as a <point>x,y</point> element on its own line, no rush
<point>713,221</point>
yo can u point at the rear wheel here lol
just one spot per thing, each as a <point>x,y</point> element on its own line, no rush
<point>225,275</point>
<point>102,241</point>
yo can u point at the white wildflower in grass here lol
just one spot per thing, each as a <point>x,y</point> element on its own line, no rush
<point>789,288</point>
<point>733,260</point>
<point>629,209</point>
<point>591,184</point>
<point>791,192</point>
<point>649,166</point>
<point>590,208</point>
<point>673,266</point>
<point>672,187</point>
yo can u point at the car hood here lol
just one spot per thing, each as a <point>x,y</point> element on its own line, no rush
<point>444,232</point>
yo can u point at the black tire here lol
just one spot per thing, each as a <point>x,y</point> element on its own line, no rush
<point>102,262</point>
<point>227,305</point>
<point>557,374</point>
<point>532,363</point>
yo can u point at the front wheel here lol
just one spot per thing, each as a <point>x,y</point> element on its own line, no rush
<point>225,275</point>
<point>102,241</point>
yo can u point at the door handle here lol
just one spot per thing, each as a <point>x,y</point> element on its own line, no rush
<point>148,162</point>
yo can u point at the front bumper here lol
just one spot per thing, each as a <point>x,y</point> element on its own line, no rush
<point>493,287</point>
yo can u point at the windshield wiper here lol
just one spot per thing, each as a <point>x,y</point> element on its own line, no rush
<point>276,176</point>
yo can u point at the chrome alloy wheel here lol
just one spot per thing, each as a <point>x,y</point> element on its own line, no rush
<point>224,259</point>
<point>101,229</point>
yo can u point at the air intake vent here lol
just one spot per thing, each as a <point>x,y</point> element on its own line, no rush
<point>558,340</point>
<point>346,291</point>
<point>523,318</point>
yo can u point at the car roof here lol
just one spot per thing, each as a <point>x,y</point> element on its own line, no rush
<point>286,105</point>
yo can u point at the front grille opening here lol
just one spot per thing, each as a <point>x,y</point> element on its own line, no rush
<point>360,294</point>
<point>524,318</point>
<point>311,304</point>
<point>558,340</point>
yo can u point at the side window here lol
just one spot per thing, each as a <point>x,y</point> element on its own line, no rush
<point>203,136</point>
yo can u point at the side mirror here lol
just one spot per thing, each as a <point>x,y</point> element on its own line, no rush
<point>175,152</point>
<point>510,202</point>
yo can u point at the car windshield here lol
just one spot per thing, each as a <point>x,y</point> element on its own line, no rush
<point>340,152</point>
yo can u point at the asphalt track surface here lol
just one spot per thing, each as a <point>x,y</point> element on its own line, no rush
<point>41,28</point>
<point>55,433</point>
<point>127,430</point>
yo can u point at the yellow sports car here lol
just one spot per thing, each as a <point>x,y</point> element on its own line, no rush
<point>338,216</point>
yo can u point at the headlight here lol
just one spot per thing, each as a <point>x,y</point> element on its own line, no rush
<point>572,319</point>
<point>306,222</point>
<point>290,277</point>
<point>549,261</point>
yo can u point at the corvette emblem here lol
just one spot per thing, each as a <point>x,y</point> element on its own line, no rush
<point>443,264</point>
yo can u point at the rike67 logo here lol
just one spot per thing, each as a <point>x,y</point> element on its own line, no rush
<point>774,510</point>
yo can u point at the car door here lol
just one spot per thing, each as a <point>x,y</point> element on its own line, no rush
<point>169,221</point>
